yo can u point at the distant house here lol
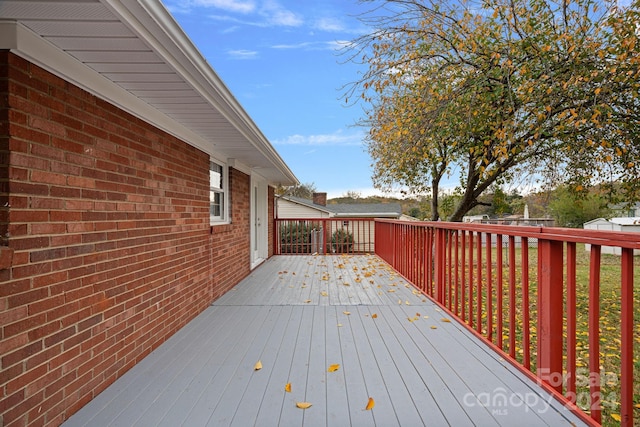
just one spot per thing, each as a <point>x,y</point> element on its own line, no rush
<point>296,207</point>
<point>134,191</point>
<point>357,223</point>
<point>628,210</point>
<point>626,224</point>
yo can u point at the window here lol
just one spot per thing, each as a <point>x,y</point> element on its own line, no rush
<point>218,196</point>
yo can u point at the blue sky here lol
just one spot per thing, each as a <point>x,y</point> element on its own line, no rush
<point>280,58</point>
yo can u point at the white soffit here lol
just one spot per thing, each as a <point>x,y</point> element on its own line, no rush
<point>133,54</point>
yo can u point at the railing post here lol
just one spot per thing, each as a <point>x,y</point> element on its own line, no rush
<point>550,312</point>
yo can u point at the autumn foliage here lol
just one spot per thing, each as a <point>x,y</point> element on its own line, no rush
<point>496,90</point>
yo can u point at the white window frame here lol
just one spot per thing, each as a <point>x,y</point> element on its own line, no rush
<point>222,193</point>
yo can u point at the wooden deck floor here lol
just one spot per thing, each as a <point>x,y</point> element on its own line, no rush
<point>298,315</point>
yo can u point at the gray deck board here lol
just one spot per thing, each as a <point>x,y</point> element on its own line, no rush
<point>291,314</point>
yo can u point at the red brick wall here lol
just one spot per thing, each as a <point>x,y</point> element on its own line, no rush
<point>110,246</point>
<point>231,243</point>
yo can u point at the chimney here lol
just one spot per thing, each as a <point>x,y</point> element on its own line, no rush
<point>320,199</point>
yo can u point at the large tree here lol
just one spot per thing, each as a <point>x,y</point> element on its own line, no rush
<point>496,89</point>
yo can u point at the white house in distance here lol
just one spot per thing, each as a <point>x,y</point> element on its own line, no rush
<point>626,224</point>
<point>296,207</point>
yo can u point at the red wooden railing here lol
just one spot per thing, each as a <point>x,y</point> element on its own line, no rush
<point>547,320</point>
<point>324,236</point>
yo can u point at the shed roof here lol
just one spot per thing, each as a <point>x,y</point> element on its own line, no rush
<point>135,55</point>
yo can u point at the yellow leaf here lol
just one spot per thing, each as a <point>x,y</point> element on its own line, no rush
<point>370,404</point>
<point>616,417</point>
<point>324,293</point>
<point>287,387</point>
<point>434,327</point>
<point>444,319</point>
<point>307,301</point>
<point>257,366</point>
<point>303,405</point>
<point>346,312</point>
<point>334,367</point>
<point>374,316</point>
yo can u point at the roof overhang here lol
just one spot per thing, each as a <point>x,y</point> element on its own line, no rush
<point>133,54</point>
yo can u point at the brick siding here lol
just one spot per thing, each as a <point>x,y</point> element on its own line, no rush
<point>110,251</point>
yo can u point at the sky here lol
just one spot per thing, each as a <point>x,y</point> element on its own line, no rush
<point>281,60</point>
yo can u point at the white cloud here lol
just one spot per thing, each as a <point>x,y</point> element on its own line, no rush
<point>336,138</point>
<point>267,13</point>
<point>279,16</point>
<point>329,24</point>
<point>243,54</point>
<point>239,6</point>
<point>330,45</point>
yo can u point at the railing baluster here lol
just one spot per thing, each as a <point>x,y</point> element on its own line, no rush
<point>449,268</point>
<point>571,323</point>
<point>457,272</point>
<point>626,322</point>
<point>526,322</point>
<point>489,289</point>
<point>479,284</point>
<point>512,297</point>
<point>499,291</point>
<point>463,284</point>
<point>471,279</point>
<point>594,333</point>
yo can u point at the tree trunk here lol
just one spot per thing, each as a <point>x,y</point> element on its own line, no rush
<point>435,188</point>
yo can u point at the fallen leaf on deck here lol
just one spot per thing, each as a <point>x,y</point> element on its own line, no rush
<point>257,366</point>
<point>444,319</point>
<point>374,316</point>
<point>407,302</point>
<point>339,325</point>
<point>434,327</point>
<point>324,293</point>
<point>333,368</point>
<point>303,405</point>
<point>370,404</point>
<point>287,387</point>
<point>346,312</point>
<point>307,301</point>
